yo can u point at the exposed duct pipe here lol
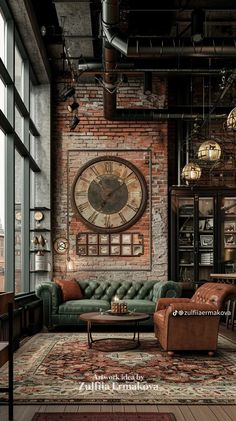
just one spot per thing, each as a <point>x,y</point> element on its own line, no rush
<point>134,48</point>
<point>113,43</point>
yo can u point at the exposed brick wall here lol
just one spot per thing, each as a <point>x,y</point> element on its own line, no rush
<point>96,133</point>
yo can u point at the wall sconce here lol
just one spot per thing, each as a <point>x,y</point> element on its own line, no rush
<point>74,122</point>
<point>72,107</point>
<point>67,93</point>
<point>209,151</point>
<point>191,172</point>
<point>147,86</point>
<point>197,25</point>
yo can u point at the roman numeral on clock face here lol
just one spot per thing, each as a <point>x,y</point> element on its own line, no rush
<point>85,179</point>
<point>95,171</point>
<point>107,221</point>
<point>93,217</point>
<point>122,217</point>
<point>81,194</point>
<point>83,206</point>
<point>132,207</point>
<point>108,167</point>
<point>129,180</point>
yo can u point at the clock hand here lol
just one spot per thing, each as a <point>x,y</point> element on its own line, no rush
<point>117,188</point>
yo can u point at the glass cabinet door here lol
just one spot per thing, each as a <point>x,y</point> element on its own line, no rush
<point>206,238</point>
<point>228,234</point>
<point>185,239</point>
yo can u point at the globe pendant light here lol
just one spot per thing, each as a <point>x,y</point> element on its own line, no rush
<point>231,120</point>
<point>191,172</point>
<point>209,150</point>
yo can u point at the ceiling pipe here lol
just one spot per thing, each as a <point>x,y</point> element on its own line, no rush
<point>134,48</point>
<point>111,20</point>
<point>97,67</point>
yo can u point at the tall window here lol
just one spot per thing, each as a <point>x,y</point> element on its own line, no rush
<point>2,216</point>
<point>2,36</point>
<point>19,72</point>
<point>17,157</point>
<point>2,96</point>
<point>18,222</point>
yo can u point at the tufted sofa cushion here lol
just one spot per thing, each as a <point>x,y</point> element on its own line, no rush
<point>139,295</point>
<point>129,290</point>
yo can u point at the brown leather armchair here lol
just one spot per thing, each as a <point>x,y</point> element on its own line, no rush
<point>178,326</point>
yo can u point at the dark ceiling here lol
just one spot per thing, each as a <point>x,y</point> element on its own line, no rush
<point>73,29</point>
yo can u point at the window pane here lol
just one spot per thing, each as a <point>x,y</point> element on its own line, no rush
<point>18,220</point>
<point>2,37</point>
<point>2,96</point>
<point>2,203</point>
<point>32,101</point>
<point>19,123</point>
<point>19,67</point>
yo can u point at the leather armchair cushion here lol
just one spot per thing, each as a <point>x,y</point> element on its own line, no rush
<point>163,303</point>
<point>70,289</point>
<point>159,317</point>
<point>83,306</point>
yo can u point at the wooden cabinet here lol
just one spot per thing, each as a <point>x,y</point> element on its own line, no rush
<point>203,232</point>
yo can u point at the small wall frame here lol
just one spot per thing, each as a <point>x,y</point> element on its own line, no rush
<point>99,244</point>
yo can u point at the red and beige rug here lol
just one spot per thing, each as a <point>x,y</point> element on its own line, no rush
<point>105,416</point>
<point>58,368</point>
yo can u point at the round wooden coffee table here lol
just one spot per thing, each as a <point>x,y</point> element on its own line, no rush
<point>106,318</point>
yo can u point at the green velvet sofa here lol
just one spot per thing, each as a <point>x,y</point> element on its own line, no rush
<point>140,296</point>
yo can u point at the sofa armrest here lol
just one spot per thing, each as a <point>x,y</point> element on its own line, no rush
<point>49,292</point>
<point>163,303</point>
<point>169,289</point>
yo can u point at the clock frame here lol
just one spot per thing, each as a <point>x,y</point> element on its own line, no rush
<point>109,194</point>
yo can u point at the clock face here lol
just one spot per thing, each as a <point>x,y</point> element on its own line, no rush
<point>109,194</point>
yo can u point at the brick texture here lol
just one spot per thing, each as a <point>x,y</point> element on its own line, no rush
<point>134,141</point>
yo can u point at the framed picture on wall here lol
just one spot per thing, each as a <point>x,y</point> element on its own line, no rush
<point>104,250</point>
<point>126,250</point>
<point>82,250</point>
<point>137,249</point>
<point>92,239</point>
<point>93,250</point>
<point>126,238</point>
<point>115,250</point>
<point>104,238</point>
<point>115,238</point>
<point>82,238</point>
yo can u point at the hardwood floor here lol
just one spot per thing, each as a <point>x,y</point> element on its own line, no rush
<point>182,412</point>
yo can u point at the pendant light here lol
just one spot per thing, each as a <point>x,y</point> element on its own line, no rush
<point>191,172</point>
<point>209,150</point>
<point>231,120</point>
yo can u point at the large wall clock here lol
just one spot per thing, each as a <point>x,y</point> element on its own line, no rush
<point>109,194</point>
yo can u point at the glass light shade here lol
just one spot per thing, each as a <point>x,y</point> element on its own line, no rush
<point>191,171</point>
<point>209,151</point>
<point>231,120</point>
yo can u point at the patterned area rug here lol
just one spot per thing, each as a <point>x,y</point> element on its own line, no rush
<point>105,416</point>
<point>59,368</point>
